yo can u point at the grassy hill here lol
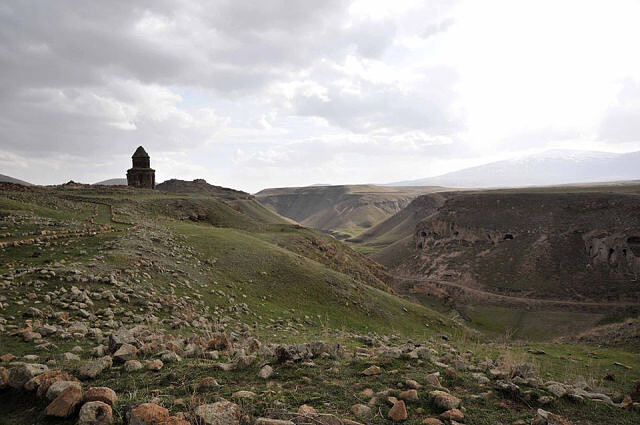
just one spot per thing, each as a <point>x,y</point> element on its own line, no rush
<point>207,290</point>
<point>344,211</point>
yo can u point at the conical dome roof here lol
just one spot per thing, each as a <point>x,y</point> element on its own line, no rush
<point>140,153</point>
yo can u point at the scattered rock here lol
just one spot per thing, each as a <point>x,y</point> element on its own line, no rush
<point>372,370</point>
<point>93,368</point>
<point>220,413</point>
<point>361,410</point>
<point>95,413</point>
<point>409,395</point>
<point>20,375</point>
<point>444,401</point>
<point>265,372</point>
<point>104,394</point>
<point>125,352</point>
<point>155,365</point>
<point>149,414</point>
<point>306,410</point>
<point>65,404</point>
<point>398,412</point>
<point>58,387</point>
<point>453,415</point>
<point>267,421</point>
<point>132,365</point>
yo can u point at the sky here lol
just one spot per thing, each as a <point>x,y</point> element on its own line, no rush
<point>278,93</point>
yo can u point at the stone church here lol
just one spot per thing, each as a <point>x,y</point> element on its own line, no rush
<point>141,174</point>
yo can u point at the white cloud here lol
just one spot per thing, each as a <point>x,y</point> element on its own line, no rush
<point>278,92</point>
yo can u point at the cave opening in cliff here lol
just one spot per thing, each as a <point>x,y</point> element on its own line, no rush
<point>507,237</point>
<point>634,245</point>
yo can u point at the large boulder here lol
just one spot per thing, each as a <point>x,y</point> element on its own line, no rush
<point>56,388</point>
<point>220,413</point>
<point>65,404</point>
<point>42,382</point>
<point>95,413</point>
<point>20,375</point>
<point>103,394</point>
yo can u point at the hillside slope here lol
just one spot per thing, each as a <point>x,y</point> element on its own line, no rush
<point>344,211</point>
<point>574,245</point>
<point>206,306</point>
<point>389,239</point>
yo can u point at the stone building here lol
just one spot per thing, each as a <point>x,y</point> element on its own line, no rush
<point>141,174</point>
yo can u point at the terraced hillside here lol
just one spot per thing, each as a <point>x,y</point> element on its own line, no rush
<point>122,305</point>
<point>344,211</point>
<point>508,258</point>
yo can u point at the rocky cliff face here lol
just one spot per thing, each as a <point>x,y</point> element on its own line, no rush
<point>584,246</point>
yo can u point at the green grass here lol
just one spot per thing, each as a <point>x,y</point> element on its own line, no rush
<point>276,281</point>
<point>299,285</point>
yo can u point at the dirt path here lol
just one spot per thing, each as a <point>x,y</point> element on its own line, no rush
<point>507,299</point>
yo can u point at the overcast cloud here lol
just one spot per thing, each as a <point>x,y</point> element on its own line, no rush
<point>293,92</point>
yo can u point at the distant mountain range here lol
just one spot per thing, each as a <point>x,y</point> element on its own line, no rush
<point>7,179</point>
<point>547,168</point>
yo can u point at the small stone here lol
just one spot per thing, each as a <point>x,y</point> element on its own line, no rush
<point>267,421</point>
<point>453,415</point>
<point>444,401</point>
<point>220,342</point>
<point>95,413</point>
<point>171,357</point>
<point>65,404</point>
<point>125,352</point>
<point>265,372</point>
<point>372,370</point>
<point>94,368</point>
<point>132,365</point>
<point>433,381</point>
<point>149,414</point>
<point>361,410</point>
<point>244,394</point>
<point>409,395</point>
<point>432,421</point>
<point>398,412</point>
<point>367,393</point>
<point>103,394</point>
<point>155,365</point>
<point>6,358</point>
<point>207,383</point>
<point>220,413</point>
<point>414,385</point>
<point>557,389</point>
<point>305,409</point>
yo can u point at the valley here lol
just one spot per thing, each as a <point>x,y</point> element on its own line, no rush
<point>197,304</point>
<point>343,211</point>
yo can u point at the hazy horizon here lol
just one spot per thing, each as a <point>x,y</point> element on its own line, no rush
<point>277,93</point>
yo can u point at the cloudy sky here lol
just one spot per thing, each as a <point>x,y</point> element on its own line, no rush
<point>254,94</point>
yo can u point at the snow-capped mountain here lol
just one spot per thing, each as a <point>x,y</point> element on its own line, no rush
<point>546,168</point>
